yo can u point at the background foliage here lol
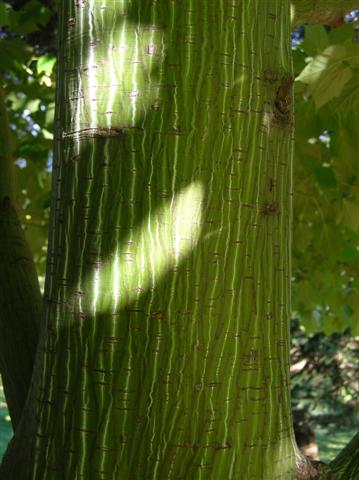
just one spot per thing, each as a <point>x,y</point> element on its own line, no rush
<point>27,63</point>
<point>326,206</point>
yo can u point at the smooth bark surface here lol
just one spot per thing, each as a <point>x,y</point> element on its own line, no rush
<point>20,297</point>
<point>166,347</point>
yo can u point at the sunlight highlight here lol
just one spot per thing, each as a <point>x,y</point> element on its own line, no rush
<point>160,244</point>
<point>118,79</point>
<point>92,67</point>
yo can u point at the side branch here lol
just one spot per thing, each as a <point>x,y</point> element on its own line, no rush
<point>20,297</point>
<point>327,12</point>
<point>346,465</point>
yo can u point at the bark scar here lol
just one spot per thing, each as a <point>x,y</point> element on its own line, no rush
<point>99,132</point>
<point>269,209</point>
<point>283,102</point>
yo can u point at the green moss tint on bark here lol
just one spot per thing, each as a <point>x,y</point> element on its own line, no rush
<point>20,298</point>
<point>166,351</point>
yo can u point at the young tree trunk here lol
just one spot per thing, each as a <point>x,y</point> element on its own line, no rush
<point>346,465</point>
<point>20,297</point>
<point>165,353</point>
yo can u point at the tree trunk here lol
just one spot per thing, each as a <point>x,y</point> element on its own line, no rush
<point>165,353</point>
<point>20,297</point>
<point>346,465</point>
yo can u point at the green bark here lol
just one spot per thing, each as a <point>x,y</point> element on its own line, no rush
<point>20,298</point>
<point>166,347</point>
<point>346,465</point>
<point>328,12</point>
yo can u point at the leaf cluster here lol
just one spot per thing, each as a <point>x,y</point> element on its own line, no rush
<point>326,180</point>
<point>27,73</point>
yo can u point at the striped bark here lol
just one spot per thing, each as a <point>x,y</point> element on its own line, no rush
<point>166,348</point>
<point>346,465</point>
<point>20,297</point>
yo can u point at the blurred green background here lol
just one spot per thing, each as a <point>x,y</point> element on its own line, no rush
<point>5,425</point>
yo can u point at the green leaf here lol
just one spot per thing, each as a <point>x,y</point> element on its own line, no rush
<point>354,324</point>
<point>14,53</point>
<point>333,324</point>
<point>344,147</point>
<point>49,115</point>
<point>298,61</point>
<point>30,18</point>
<point>331,85</point>
<point>4,14</point>
<point>33,105</point>
<point>36,11</point>
<point>315,39</point>
<point>349,215</point>
<point>325,177</point>
<point>317,66</point>
<point>349,98</point>
<point>327,119</point>
<point>303,293</point>
<point>308,322</point>
<point>306,121</point>
<point>341,34</point>
<point>34,149</point>
<point>47,135</point>
<point>17,102</point>
<point>302,237</point>
<point>46,64</point>
<point>327,73</point>
<point>353,301</point>
<point>348,254</point>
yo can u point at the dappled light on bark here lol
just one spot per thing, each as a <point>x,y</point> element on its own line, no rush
<point>155,248</point>
<point>114,76</point>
